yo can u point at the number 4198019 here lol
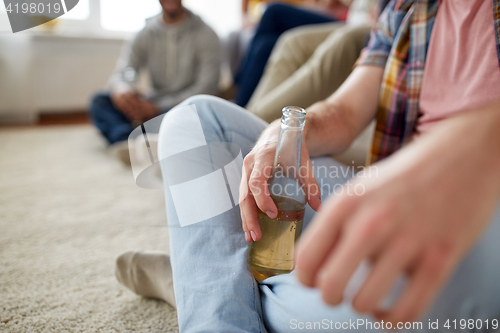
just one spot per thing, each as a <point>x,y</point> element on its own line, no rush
<point>34,8</point>
<point>471,324</point>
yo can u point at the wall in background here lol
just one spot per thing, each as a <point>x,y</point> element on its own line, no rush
<point>52,74</point>
<point>16,103</point>
<point>59,71</point>
<point>67,71</point>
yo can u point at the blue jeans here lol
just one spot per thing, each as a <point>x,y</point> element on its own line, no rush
<point>110,121</point>
<point>277,19</point>
<point>214,289</point>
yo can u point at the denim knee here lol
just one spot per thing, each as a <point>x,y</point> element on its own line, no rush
<point>274,8</point>
<point>177,116</point>
<point>211,115</point>
<point>205,105</point>
<point>99,101</point>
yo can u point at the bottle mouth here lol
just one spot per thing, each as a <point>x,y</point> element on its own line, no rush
<point>294,112</point>
<point>293,117</point>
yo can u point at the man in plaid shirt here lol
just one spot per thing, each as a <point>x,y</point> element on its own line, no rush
<point>430,77</point>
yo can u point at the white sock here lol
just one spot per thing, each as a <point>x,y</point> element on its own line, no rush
<point>147,273</point>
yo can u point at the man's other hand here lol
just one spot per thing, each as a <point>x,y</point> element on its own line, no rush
<point>132,105</point>
<point>419,215</point>
<point>126,100</point>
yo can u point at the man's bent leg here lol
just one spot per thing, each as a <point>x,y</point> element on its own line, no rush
<point>292,50</point>
<point>319,77</point>
<point>110,121</point>
<point>277,19</point>
<point>214,289</point>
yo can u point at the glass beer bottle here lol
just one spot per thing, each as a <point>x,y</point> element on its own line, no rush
<point>273,253</point>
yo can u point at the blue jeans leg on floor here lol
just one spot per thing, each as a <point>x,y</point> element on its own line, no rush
<point>110,121</point>
<point>214,288</point>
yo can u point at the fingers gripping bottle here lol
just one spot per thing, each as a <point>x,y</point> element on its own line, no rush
<point>273,253</point>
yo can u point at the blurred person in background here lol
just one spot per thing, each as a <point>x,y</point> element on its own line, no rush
<point>181,54</point>
<point>252,10</point>
<point>310,62</point>
<point>278,18</point>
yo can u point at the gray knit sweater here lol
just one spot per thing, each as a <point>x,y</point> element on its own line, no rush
<point>182,60</point>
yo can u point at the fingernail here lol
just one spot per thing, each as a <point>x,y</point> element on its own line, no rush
<point>247,237</point>
<point>271,214</point>
<point>254,236</point>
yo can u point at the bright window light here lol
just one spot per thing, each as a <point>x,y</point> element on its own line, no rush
<point>130,15</point>
<point>222,15</point>
<point>127,15</point>
<point>79,12</point>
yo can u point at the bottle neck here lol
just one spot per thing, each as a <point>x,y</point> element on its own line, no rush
<point>289,149</point>
<point>287,161</point>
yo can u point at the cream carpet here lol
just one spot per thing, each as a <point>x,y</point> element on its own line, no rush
<point>67,210</point>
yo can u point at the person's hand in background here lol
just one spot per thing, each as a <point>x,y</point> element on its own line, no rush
<point>126,100</point>
<point>419,215</point>
<point>133,106</point>
<point>146,110</point>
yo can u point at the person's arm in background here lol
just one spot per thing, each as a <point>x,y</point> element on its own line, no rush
<point>244,7</point>
<point>207,72</point>
<point>122,83</point>
<point>132,58</point>
<point>245,19</point>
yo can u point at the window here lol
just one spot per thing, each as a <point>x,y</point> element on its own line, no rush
<point>130,15</point>
<point>222,15</point>
<point>127,15</point>
<point>120,17</point>
<point>80,12</point>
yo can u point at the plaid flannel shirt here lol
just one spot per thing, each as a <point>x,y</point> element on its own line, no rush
<point>399,43</point>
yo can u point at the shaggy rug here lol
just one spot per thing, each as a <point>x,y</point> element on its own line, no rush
<point>67,210</point>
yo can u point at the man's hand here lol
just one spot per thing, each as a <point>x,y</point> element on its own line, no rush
<point>254,192</point>
<point>331,126</point>
<point>133,106</point>
<point>419,215</point>
<point>146,110</point>
<point>125,99</point>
